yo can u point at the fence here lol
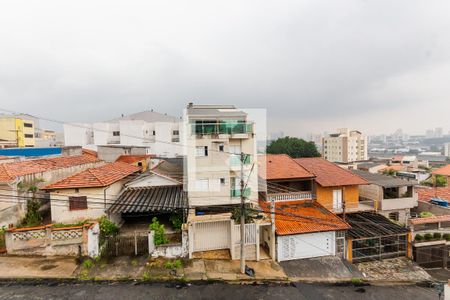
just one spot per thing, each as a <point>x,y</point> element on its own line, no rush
<point>126,245</point>
<point>250,234</point>
<point>2,243</point>
<point>47,240</point>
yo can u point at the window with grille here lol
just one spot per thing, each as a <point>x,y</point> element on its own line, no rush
<point>77,203</point>
<point>393,216</point>
<point>201,151</point>
<point>116,133</point>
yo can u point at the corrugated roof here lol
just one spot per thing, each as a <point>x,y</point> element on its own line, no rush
<point>150,199</point>
<point>10,171</point>
<point>95,177</point>
<point>304,216</point>
<point>281,166</point>
<point>367,225</point>
<point>384,180</point>
<point>329,174</point>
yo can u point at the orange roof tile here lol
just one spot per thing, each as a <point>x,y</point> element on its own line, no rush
<point>95,177</point>
<point>434,219</point>
<point>425,194</point>
<point>131,159</point>
<point>303,216</point>
<point>328,173</point>
<point>445,171</point>
<point>89,152</point>
<point>281,166</point>
<point>10,171</point>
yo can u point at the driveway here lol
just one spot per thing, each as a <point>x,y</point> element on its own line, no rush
<point>327,268</point>
<point>37,267</point>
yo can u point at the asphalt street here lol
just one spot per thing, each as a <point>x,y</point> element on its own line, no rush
<point>216,291</point>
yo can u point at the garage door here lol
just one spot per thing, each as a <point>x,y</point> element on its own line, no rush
<point>306,245</point>
<point>212,235</point>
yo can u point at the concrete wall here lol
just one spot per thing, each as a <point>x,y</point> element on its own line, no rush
<point>45,240</point>
<point>111,153</point>
<point>59,200</point>
<point>434,209</point>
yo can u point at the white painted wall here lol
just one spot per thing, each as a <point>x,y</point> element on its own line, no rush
<point>291,247</point>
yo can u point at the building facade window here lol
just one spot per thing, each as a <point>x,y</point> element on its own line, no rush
<point>176,132</point>
<point>394,216</point>
<point>116,133</point>
<point>221,147</point>
<point>201,151</point>
<point>78,203</point>
<point>222,181</point>
<point>29,125</point>
<point>29,136</point>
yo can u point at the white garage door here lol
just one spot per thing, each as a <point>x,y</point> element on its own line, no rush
<point>212,235</point>
<point>306,245</point>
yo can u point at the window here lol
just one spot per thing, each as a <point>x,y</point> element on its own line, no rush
<point>394,216</point>
<point>28,136</point>
<point>77,203</point>
<point>116,133</point>
<point>201,151</point>
<point>222,181</point>
<point>154,132</point>
<point>77,190</point>
<point>221,147</point>
<point>202,185</point>
<point>29,125</point>
<point>176,132</point>
<point>235,149</point>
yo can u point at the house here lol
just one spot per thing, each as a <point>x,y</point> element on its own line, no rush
<point>89,193</point>
<point>216,135</point>
<point>335,188</point>
<point>17,177</point>
<point>142,161</point>
<point>393,197</point>
<point>435,200</point>
<point>303,228</point>
<point>158,133</point>
<point>345,146</point>
<point>443,171</point>
<point>371,167</point>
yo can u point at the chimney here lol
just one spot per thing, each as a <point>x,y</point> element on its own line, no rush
<point>190,105</point>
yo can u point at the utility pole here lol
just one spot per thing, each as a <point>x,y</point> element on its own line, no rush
<point>343,203</point>
<point>242,215</point>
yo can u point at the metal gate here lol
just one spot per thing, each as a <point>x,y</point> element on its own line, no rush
<point>213,235</point>
<point>126,245</point>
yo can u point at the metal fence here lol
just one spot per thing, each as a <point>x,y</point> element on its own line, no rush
<point>126,245</point>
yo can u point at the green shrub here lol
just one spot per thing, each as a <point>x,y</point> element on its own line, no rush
<point>176,220</point>
<point>437,236</point>
<point>146,276</point>
<point>418,237</point>
<point>168,265</point>
<point>177,264</point>
<point>108,228</point>
<point>426,214</point>
<point>446,236</point>
<point>428,236</point>
<point>33,217</point>
<point>88,263</point>
<point>159,237</point>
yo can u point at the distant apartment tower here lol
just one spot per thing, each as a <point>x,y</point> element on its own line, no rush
<point>159,133</point>
<point>447,149</point>
<point>216,136</point>
<point>345,146</point>
<point>16,131</point>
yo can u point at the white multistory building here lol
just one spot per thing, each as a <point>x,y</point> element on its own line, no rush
<point>345,146</point>
<point>159,133</point>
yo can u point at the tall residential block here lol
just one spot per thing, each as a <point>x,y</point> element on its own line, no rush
<point>16,132</point>
<point>345,146</point>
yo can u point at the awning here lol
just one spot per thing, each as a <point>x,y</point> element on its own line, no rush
<point>368,225</point>
<point>150,199</point>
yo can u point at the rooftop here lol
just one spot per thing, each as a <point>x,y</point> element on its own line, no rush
<point>95,177</point>
<point>428,220</point>
<point>303,216</point>
<point>371,225</point>
<point>147,116</point>
<point>131,159</point>
<point>427,193</point>
<point>445,171</point>
<point>214,111</point>
<point>10,171</point>
<point>329,174</point>
<point>280,167</point>
<point>384,180</point>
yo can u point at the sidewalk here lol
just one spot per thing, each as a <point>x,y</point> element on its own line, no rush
<point>37,267</point>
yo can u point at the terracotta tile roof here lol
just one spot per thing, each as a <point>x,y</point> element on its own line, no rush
<point>445,170</point>
<point>295,217</point>
<point>434,219</point>
<point>328,173</point>
<point>10,171</point>
<point>425,194</point>
<point>89,152</point>
<point>281,166</point>
<point>95,177</point>
<point>131,159</point>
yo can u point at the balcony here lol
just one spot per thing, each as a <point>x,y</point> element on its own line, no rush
<point>235,161</point>
<point>280,197</point>
<point>237,192</point>
<point>229,128</point>
<point>399,203</point>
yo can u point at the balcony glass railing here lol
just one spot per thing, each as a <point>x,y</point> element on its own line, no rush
<point>226,127</point>
<point>235,160</point>
<point>237,192</point>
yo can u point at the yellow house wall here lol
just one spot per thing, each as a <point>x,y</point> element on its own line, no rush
<point>8,129</point>
<point>13,130</point>
<point>350,196</point>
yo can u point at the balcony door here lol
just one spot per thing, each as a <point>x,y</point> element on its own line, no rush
<point>337,199</point>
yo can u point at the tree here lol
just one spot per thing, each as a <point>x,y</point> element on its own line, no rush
<point>294,147</point>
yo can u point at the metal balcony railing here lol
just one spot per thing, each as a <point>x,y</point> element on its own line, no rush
<point>279,197</point>
<point>222,128</point>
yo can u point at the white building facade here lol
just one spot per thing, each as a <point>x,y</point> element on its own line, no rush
<point>159,133</point>
<point>345,146</point>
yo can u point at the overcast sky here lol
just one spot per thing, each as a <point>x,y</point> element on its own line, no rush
<point>315,65</point>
